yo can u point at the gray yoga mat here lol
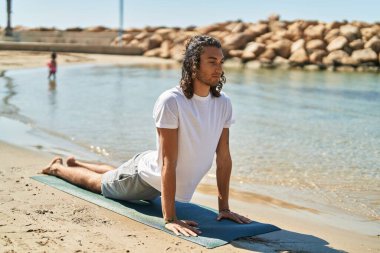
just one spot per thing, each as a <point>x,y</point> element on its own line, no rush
<point>214,233</point>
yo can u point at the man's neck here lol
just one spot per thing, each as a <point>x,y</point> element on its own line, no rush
<point>201,89</point>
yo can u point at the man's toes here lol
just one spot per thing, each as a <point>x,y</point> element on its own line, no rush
<point>47,169</point>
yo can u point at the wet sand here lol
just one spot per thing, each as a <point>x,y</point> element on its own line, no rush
<point>36,218</point>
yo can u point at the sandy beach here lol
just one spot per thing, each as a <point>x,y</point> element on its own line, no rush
<point>37,218</point>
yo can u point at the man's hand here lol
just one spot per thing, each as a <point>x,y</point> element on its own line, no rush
<point>227,214</point>
<point>186,227</point>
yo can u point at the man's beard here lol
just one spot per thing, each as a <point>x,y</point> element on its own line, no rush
<point>208,82</point>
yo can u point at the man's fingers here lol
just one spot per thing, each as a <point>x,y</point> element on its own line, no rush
<point>246,220</point>
<point>191,223</point>
<point>183,231</point>
<point>237,219</point>
<point>175,231</point>
<point>183,228</point>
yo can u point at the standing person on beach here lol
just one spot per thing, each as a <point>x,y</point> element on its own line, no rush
<point>192,122</point>
<point>52,64</point>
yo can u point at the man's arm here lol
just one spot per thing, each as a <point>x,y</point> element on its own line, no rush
<point>169,153</point>
<point>223,174</point>
<point>223,169</point>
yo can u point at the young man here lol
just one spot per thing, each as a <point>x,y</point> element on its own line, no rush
<point>192,122</point>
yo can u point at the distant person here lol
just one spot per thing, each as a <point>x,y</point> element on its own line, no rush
<point>192,126</point>
<point>52,64</point>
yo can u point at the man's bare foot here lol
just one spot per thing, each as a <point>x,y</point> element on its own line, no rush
<point>71,162</point>
<point>50,168</point>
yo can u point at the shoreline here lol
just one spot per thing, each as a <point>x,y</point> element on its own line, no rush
<point>281,214</point>
<point>48,215</point>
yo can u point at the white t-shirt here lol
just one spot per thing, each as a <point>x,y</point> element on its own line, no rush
<point>200,121</point>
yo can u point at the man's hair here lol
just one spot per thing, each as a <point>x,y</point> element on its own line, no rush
<point>191,64</point>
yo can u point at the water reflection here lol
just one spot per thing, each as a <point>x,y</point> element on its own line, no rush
<point>6,106</point>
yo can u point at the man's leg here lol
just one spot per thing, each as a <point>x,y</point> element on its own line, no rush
<point>98,168</point>
<point>76,175</point>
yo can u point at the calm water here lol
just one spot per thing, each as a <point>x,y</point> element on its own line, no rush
<point>307,136</point>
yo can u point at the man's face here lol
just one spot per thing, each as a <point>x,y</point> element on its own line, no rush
<point>211,66</point>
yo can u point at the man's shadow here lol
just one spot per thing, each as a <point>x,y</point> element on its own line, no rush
<point>270,239</point>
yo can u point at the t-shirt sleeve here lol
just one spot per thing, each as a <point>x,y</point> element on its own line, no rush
<point>165,112</point>
<point>229,115</point>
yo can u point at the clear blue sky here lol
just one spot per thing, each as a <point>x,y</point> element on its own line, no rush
<point>85,13</point>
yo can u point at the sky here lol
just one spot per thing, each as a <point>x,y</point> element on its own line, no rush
<point>179,13</point>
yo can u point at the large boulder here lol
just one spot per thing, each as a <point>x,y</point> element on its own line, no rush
<point>258,29</point>
<point>235,41</point>
<point>208,29</point>
<point>374,44</point>
<point>314,32</point>
<point>97,29</point>
<point>277,26</point>
<point>335,57</point>
<point>142,35</point>
<point>235,53</point>
<point>297,45</point>
<point>164,32</point>
<point>337,44</point>
<point>356,44</point>
<point>253,50</point>
<point>177,52</point>
<point>365,55</point>
<point>279,35</point>
<point>294,32</point>
<point>317,56</point>
<point>331,35</point>
<point>350,32</point>
<point>316,44</point>
<point>369,32</point>
<point>268,55</point>
<point>165,49</point>
<point>281,47</point>
<point>299,57</point>
<point>156,52</point>
<point>333,25</point>
<point>281,62</point>
<point>220,35</point>
<point>149,44</point>
<point>236,27</point>
<point>264,37</point>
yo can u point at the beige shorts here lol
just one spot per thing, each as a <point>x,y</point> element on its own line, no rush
<point>125,183</point>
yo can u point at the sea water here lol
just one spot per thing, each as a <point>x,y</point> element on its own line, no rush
<point>309,137</point>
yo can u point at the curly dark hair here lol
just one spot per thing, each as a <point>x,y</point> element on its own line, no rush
<point>191,64</point>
